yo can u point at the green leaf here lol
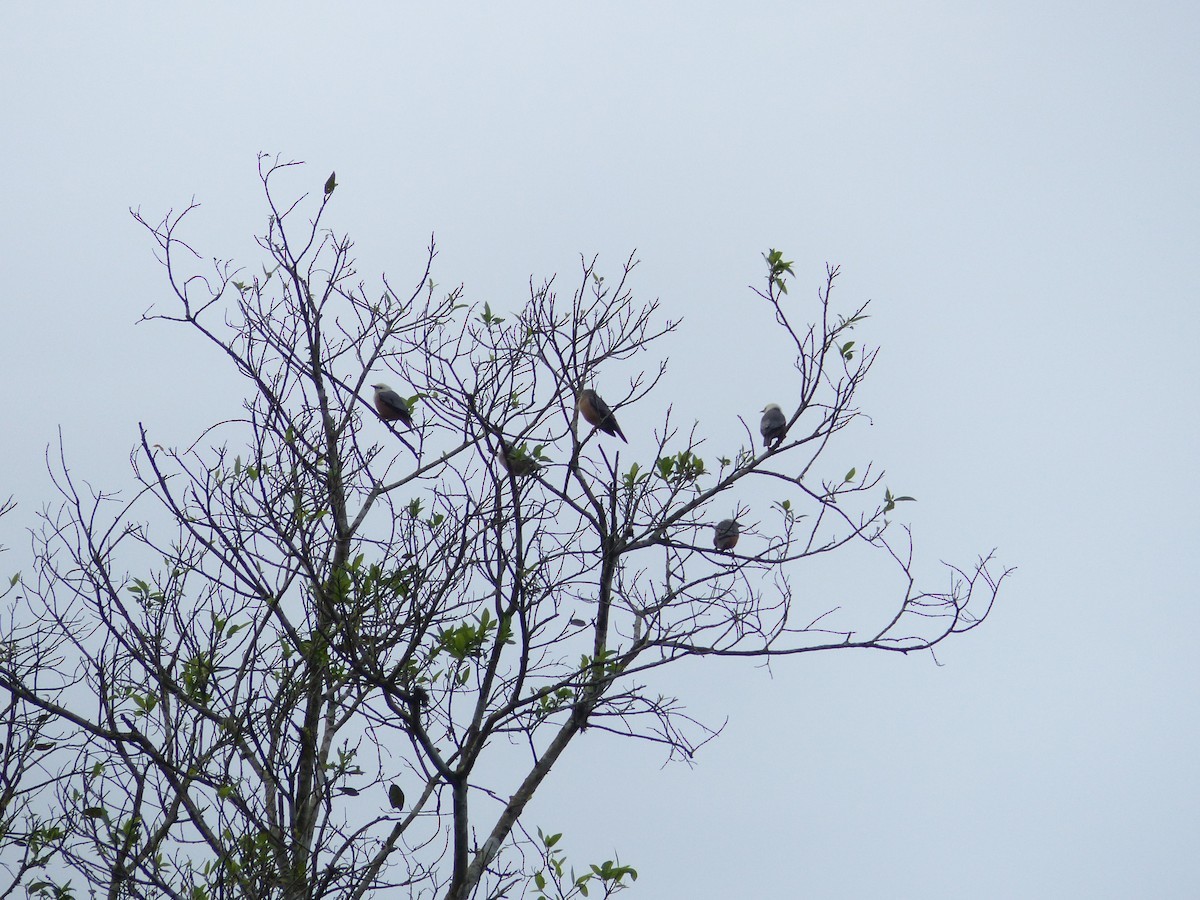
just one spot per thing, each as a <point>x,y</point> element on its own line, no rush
<point>681,468</point>
<point>850,475</point>
<point>777,267</point>
<point>890,500</point>
<point>488,318</point>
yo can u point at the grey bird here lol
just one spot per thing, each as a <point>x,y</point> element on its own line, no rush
<point>773,426</point>
<point>391,406</point>
<point>725,534</point>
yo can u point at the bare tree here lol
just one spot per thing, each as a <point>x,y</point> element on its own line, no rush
<point>277,669</point>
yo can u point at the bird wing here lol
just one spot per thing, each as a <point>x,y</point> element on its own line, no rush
<point>772,420</point>
<point>600,408</point>
<point>608,421</point>
<point>393,400</point>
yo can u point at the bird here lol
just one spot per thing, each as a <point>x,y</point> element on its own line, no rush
<point>396,797</point>
<point>593,408</point>
<point>773,426</point>
<point>331,183</point>
<point>391,406</point>
<point>517,460</point>
<point>725,534</point>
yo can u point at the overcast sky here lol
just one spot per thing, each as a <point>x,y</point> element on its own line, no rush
<point>1015,186</point>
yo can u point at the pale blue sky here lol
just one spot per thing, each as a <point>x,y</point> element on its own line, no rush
<point>1014,185</point>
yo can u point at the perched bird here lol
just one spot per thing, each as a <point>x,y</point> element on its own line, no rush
<point>725,534</point>
<point>773,426</point>
<point>392,407</point>
<point>593,408</point>
<point>331,183</point>
<point>517,460</point>
<point>396,797</point>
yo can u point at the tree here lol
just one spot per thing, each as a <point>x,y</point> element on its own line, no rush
<point>276,671</point>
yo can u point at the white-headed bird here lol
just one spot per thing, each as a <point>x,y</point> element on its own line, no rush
<point>391,406</point>
<point>593,408</point>
<point>773,426</point>
<point>725,534</point>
